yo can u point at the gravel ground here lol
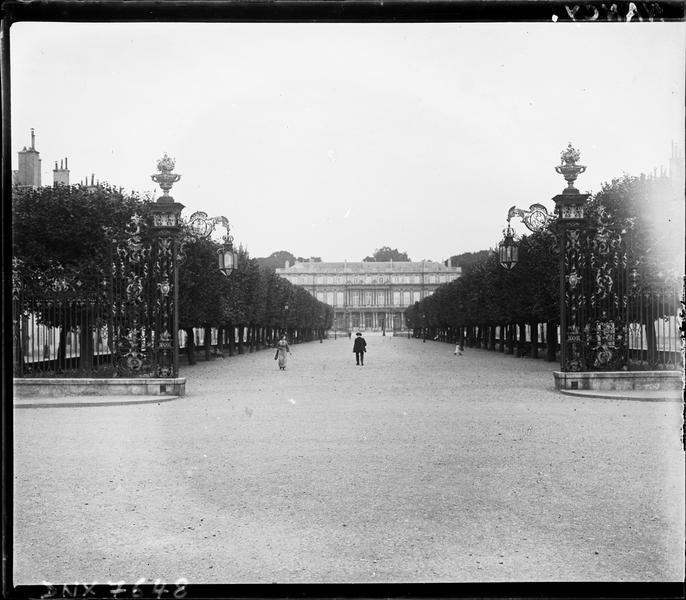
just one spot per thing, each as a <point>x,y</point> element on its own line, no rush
<point>419,466</point>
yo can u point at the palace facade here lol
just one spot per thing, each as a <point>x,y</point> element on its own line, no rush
<point>369,296</point>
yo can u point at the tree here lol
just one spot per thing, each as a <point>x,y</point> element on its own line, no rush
<point>69,227</point>
<point>276,260</point>
<point>385,254</point>
<point>646,214</point>
<point>650,213</point>
<point>201,287</point>
<point>62,248</point>
<point>468,260</point>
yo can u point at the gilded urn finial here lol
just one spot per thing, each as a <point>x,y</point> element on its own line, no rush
<point>165,178</point>
<point>569,169</point>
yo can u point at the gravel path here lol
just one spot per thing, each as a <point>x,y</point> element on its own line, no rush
<point>419,466</point>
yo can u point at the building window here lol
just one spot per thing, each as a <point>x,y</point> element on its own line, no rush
<point>339,299</point>
<point>396,298</point>
<point>329,298</point>
<point>415,297</point>
<point>406,298</point>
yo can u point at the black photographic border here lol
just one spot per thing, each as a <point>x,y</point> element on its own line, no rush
<point>365,11</point>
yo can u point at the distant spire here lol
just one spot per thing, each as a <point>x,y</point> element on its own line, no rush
<point>33,139</point>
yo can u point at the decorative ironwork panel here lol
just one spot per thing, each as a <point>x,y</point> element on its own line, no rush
<point>613,319</point>
<point>574,261</point>
<point>143,305</point>
<point>165,249</point>
<point>132,279</point>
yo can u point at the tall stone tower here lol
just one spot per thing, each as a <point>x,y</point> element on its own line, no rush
<point>28,173</point>
<point>60,176</point>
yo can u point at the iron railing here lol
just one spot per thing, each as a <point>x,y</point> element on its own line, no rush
<point>63,330</point>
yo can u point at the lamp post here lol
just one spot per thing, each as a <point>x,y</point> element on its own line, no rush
<point>571,224</point>
<point>571,228</point>
<point>166,226</point>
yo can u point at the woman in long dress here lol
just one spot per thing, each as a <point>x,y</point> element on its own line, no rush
<point>281,350</point>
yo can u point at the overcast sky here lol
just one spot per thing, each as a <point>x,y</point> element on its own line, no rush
<point>335,139</point>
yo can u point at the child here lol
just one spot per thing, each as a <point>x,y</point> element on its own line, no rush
<point>459,348</point>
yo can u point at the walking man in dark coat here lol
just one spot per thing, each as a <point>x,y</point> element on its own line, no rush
<point>359,348</point>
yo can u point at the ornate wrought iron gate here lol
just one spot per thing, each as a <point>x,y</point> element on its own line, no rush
<point>144,295</point>
<point>613,318</point>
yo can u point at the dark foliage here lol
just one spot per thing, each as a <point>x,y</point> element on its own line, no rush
<point>385,254</point>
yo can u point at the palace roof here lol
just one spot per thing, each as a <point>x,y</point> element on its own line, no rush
<point>427,266</point>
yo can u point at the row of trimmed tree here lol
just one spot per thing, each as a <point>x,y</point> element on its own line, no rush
<point>493,308</point>
<point>518,311</point>
<point>249,309</point>
<point>62,245</point>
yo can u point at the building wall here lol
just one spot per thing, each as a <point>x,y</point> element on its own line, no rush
<point>370,295</point>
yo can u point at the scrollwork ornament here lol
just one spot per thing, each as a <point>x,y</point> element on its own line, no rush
<point>573,240</point>
<point>133,352</point>
<point>164,287</point>
<point>573,279</point>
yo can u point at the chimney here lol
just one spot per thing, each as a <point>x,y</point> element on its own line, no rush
<point>61,174</point>
<point>29,163</point>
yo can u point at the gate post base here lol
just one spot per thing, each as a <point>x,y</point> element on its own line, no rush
<point>116,386</point>
<point>618,380</point>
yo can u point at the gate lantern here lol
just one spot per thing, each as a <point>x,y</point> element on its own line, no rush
<point>228,258</point>
<point>508,248</point>
<point>203,226</point>
<point>536,219</point>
